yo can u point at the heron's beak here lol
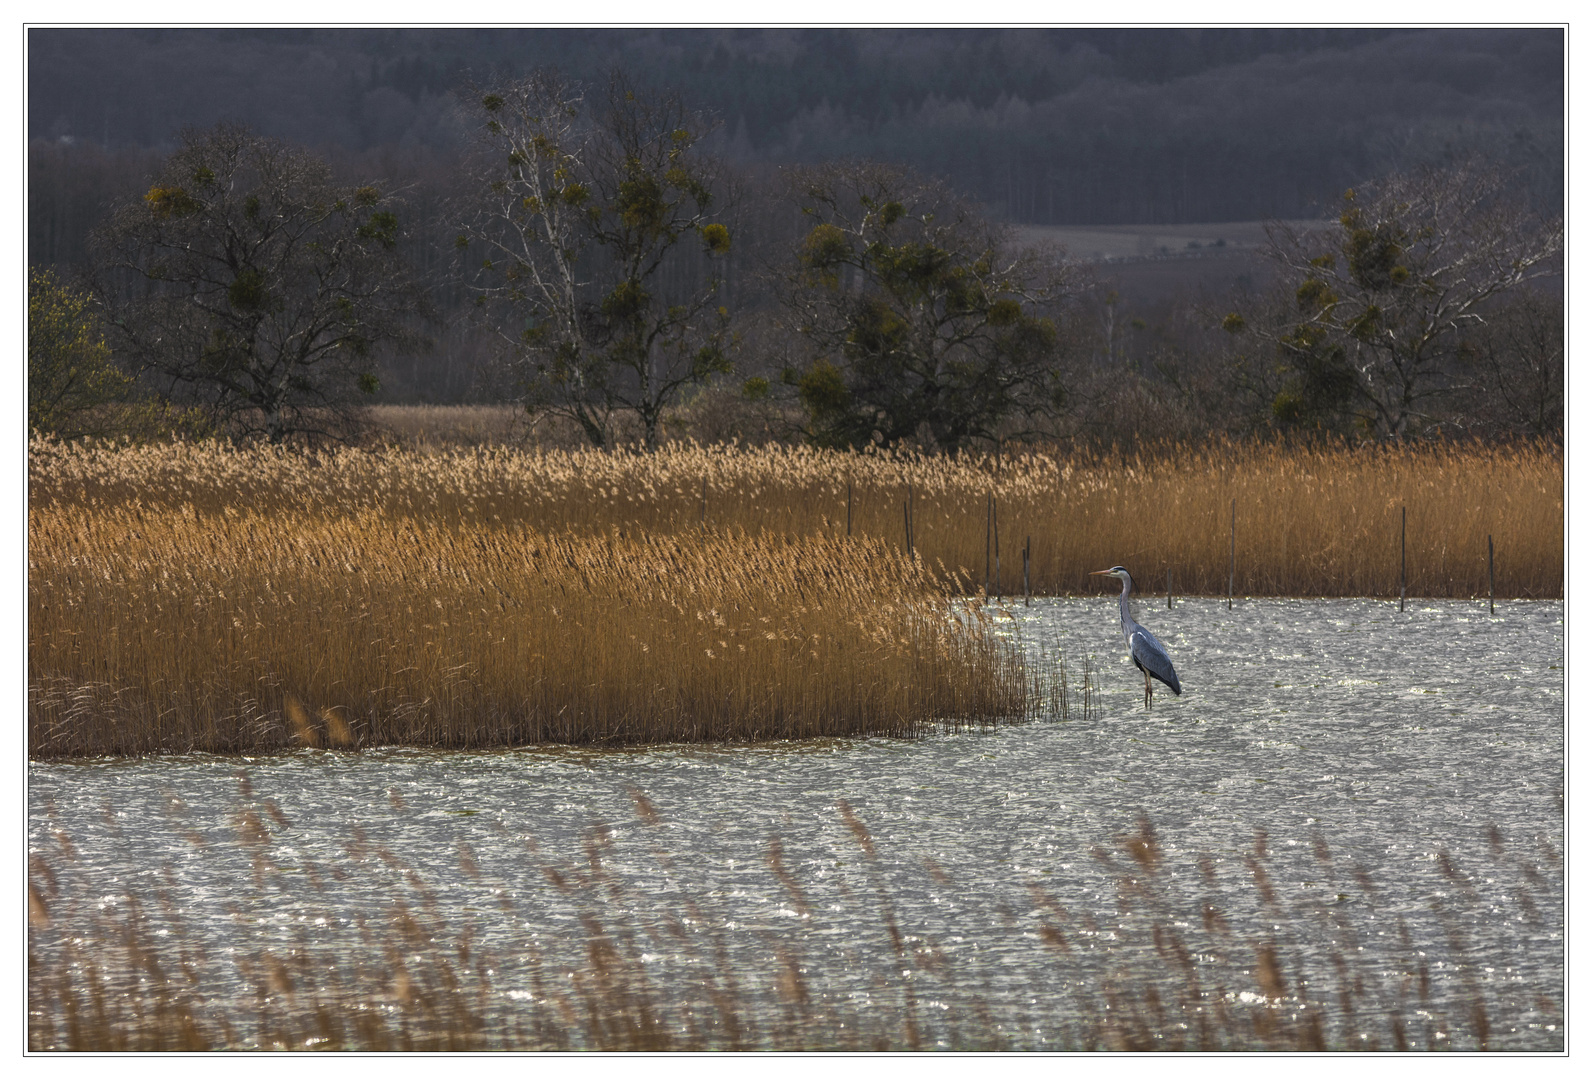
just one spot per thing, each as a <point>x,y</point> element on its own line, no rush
<point>1092,573</point>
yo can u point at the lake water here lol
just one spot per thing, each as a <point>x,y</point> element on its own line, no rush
<point>1406,769</point>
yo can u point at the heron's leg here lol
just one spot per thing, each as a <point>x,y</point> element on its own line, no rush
<point>1149,692</point>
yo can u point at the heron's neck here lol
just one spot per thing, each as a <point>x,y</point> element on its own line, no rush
<point>1127,616</point>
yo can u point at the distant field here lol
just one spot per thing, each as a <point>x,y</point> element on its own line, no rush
<point>1109,243</point>
<point>431,426</point>
<point>1150,264</point>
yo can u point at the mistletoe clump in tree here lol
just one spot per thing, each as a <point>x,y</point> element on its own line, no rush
<point>248,282</point>
<point>595,247</point>
<point>923,321</point>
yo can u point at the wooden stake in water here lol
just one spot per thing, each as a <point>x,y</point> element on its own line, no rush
<point>989,514</point>
<point>1403,511</point>
<point>1169,588</point>
<point>1028,596</point>
<point>1490,610</point>
<point>1232,551</point>
<point>995,520</point>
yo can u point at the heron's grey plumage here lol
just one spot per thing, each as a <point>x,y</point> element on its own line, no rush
<point>1148,654</point>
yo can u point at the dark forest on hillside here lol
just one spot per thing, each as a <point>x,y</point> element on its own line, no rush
<point>1044,126</point>
<point>1059,128</point>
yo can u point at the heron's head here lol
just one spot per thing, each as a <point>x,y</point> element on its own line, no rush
<point>1118,572</point>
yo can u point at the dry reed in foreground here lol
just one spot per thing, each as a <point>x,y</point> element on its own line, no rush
<point>241,631</point>
<point>1185,959</point>
<point>1309,522</point>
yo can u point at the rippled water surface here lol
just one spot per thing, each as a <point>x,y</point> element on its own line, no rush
<point>1391,737</point>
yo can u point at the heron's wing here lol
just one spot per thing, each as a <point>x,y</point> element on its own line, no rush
<point>1151,655</point>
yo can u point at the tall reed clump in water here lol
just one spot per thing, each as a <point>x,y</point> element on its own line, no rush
<point>505,945</point>
<point>1310,521</point>
<point>247,630</point>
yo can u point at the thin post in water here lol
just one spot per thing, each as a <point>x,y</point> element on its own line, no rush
<point>1490,610</point>
<point>989,511</point>
<point>995,520</point>
<point>1232,551</point>
<point>1169,588</point>
<point>1403,513</point>
<point>1028,596</point>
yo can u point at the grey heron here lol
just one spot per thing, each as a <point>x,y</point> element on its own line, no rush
<point>1148,654</point>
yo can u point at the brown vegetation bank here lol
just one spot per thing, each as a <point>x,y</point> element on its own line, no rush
<point>209,597</point>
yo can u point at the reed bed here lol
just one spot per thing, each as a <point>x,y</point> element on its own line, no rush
<point>235,599</point>
<point>1193,954</point>
<point>1303,521</point>
<point>239,631</point>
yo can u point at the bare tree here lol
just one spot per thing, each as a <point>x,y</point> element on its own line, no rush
<point>1517,367</point>
<point>247,281</point>
<point>922,319</point>
<point>1382,298</point>
<point>594,247</point>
